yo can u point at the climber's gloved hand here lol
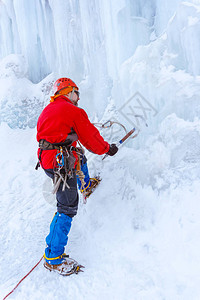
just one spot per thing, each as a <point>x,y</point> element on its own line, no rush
<point>113,150</point>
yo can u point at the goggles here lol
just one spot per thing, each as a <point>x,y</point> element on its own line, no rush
<point>77,93</point>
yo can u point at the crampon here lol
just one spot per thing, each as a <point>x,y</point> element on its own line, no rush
<point>68,267</point>
<point>94,183</point>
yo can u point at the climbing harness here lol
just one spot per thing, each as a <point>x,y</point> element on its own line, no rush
<point>64,161</point>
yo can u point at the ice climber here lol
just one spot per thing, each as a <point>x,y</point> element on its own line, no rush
<point>61,124</point>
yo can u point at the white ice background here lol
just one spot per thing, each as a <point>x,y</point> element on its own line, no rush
<point>138,234</point>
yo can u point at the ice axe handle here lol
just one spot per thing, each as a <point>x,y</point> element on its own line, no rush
<point>125,137</point>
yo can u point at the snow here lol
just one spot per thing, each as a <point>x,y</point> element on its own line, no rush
<point>138,238</point>
<point>138,234</point>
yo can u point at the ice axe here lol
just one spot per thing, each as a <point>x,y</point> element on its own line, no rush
<point>129,134</point>
<point>124,139</point>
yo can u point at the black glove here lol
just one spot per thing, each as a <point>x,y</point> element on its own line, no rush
<point>113,150</point>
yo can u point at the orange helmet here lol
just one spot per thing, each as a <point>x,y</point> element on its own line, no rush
<point>64,83</point>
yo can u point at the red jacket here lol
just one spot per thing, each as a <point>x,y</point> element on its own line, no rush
<point>56,122</point>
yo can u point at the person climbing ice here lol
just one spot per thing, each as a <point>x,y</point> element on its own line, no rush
<point>60,126</point>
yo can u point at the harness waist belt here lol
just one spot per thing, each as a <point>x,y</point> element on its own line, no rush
<point>45,145</point>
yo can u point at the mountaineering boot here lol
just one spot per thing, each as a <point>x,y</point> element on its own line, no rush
<point>94,182</point>
<point>89,183</point>
<point>57,239</point>
<point>68,267</point>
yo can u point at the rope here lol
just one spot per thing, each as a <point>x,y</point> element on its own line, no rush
<point>81,177</point>
<point>24,278</point>
<point>80,173</point>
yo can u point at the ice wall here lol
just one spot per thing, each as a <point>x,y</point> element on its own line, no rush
<point>21,101</point>
<point>111,49</point>
<point>73,36</point>
<point>166,71</point>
